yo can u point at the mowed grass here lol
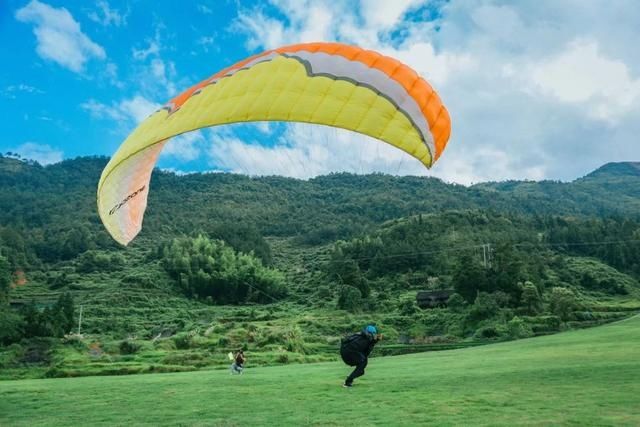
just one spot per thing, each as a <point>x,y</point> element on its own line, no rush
<point>586,377</point>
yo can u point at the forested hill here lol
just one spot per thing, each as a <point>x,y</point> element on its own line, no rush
<point>620,169</point>
<point>318,210</point>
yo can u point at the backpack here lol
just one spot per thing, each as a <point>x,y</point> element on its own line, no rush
<point>346,342</point>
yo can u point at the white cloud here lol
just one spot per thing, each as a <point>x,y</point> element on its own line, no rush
<point>203,8</point>
<point>163,74</point>
<point>304,151</point>
<point>111,75</point>
<point>184,147</point>
<point>101,111</point>
<point>138,108</point>
<point>106,16</point>
<point>141,54</point>
<point>42,153</point>
<point>385,14</point>
<point>153,46</point>
<point>60,38</point>
<point>12,90</point>
<point>264,127</point>
<point>208,43</point>
<point>582,76</point>
<point>152,63</point>
<point>134,109</point>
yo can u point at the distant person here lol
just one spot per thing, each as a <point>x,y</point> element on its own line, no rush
<point>238,362</point>
<point>355,351</point>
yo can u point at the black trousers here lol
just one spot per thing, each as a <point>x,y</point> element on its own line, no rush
<point>356,359</point>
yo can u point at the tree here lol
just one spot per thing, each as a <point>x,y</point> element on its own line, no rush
<point>5,280</point>
<point>348,273</point>
<point>530,298</point>
<point>469,278</point>
<point>456,303</point>
<point>562,302</point>
<point>484,307</point>
<point>210,270</point>
<point>350,299</point>
<point>518,328</point>
<point>12,328</point>
<point>65,311</point>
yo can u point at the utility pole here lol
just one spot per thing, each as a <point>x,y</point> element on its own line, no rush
<point>486,255</point>
<point>80,321</point>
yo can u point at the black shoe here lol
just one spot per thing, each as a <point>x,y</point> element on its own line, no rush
<point>347,385</point>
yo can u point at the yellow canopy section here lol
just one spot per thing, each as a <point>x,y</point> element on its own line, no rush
<point>306,83</point>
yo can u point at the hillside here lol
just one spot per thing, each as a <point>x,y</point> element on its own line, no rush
<point>629,169</point>
<point>588,377</point>
<point>302,264</point>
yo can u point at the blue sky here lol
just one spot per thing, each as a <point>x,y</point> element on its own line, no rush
<point>536,89</point>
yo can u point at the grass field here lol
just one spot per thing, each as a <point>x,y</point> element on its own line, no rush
<point>585,377</point>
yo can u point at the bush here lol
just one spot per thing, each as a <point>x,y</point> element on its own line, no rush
<point>283,358</point>
<point>545,324</point>
<point>530,298</point>
<point>408,307</point>
<point>183,341</point>
<point>129,347</point>
<point>488,332</point>
<point>562,302</point>
<point>484,307</point>
<point>37,351</point>
<point>456,303</point>
<point>350,299</point>
<point>12,326</point>
<point>518,328</point>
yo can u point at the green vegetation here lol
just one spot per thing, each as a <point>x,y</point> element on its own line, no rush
<point>210,270</point>
<point>583,378</point>
<point>283,268</point>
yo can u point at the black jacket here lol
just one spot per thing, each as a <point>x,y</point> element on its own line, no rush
<point>361,342</point>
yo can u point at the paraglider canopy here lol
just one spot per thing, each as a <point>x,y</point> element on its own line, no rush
<point>330,84</point>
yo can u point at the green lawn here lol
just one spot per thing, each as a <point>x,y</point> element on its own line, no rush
<point>585,377</point>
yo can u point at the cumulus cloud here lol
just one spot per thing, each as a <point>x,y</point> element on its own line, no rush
<point>59,36</point>
<point>42,153</point>
<point>581,75</point>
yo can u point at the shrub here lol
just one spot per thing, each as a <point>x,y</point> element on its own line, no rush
<point>12,328</point>
<point>518,328</point>
<point>350,299</point>
<point>183,341</point>
<point>129,347</point>
<point>490,332</point>
<point>562,302</point>
<point>456,303</point>
<point>484,307</point>
<point>283,358</point>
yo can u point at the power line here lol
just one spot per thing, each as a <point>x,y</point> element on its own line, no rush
<point>487,249</point>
